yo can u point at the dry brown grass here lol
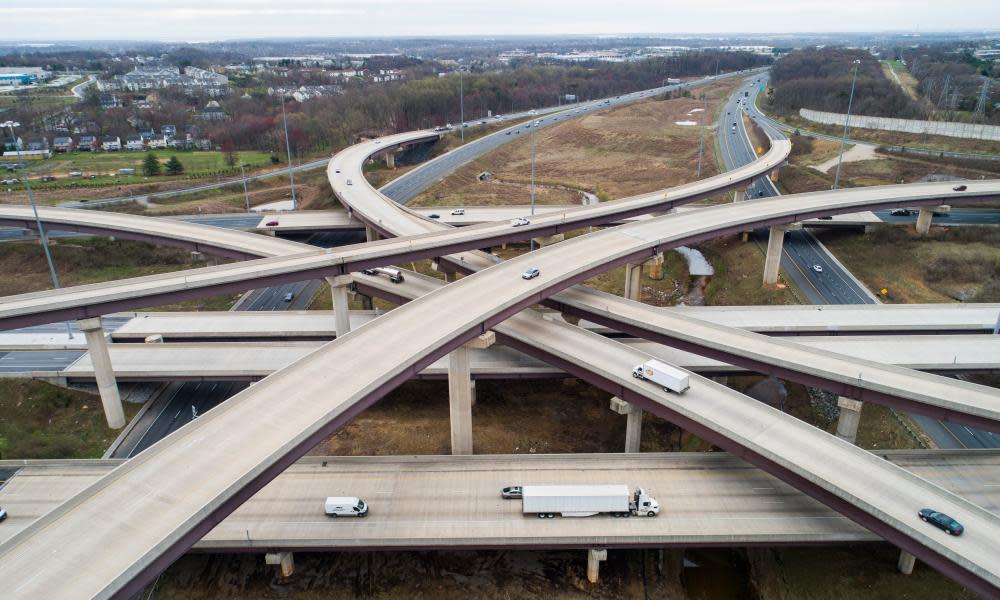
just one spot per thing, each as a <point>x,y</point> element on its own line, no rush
<point>615,153</point>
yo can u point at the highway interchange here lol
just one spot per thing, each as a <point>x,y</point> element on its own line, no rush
<point>482,301</point>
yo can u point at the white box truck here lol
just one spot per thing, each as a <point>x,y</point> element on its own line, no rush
<point>547,501</point>
<point>670,378</point>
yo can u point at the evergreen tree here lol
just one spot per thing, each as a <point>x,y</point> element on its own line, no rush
<point>174,166</point>
<point>151,166</point>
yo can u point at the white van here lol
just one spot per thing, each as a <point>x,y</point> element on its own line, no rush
<point>345,506</point>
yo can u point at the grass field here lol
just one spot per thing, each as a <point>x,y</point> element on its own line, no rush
<point>80,261</point>
<point>639,143</point>
<point>947,264</point>
<point>39,420</point>
<point>108,163</point>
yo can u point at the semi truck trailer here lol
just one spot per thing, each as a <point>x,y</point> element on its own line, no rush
<point>670,378</point>
<point>547,501</point>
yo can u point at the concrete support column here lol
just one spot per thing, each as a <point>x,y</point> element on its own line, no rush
<point>850,417</point>
<point>595,556</point>
<point>371,235</point>
<point>774,173</point>
<point>633,424</point>
<point>772,262</point>
<point>906,562</point>
<point>284,560</point>
<point>390,160</point>
<point>656,267</point>
<point>472,391</point>
<point>105,375</point>
<point>460,393</point>
<point>633,279</point>
<point>341,306</point>
<point>924,218</point>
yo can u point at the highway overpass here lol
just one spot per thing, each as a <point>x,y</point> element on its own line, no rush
<point>450,502</point>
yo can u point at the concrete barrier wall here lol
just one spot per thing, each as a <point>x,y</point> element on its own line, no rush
<point>960,130</point>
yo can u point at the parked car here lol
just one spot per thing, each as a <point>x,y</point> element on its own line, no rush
<point>511,492</point>
<point>458,211</point>
<point>48,177</point>
<point>941,521</point>
<point>519,222</point>
<point>960,188</point>
<point>75,174</point>
<point>531,273</point>
<point>818,268</point>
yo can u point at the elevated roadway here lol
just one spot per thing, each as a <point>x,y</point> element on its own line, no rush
<point>250,361</point>
<point>707,499</point>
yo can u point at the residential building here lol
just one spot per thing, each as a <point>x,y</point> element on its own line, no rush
<point>111,143</point>
<point>135,142</point>
<point>37,144</point>
<point>213,112</point>
<point>62,144</point>
<point>169,131</point>
<point>88,143</point>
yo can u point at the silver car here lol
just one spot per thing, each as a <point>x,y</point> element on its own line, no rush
<point>531,273</point>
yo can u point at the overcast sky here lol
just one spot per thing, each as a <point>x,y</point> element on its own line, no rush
<point>200,20</point>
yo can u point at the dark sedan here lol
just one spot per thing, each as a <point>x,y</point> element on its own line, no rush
<point>941,521</point>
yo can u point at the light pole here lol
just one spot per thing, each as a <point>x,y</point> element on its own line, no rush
<point>288,148</point>
<point>704,116</point>
<point>246,195</point>
<point>461,103</point>
<point>10,125</point>
<point>533,127</point>
<point>847,120</point>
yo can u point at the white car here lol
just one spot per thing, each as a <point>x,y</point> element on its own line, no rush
<point>519,222</point>
<point>531,273</point>
<point>349,182</point>
<point>458,211</point>
<point>818,268</point>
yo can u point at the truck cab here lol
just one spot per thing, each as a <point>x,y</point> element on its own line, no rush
<point>643,504</point>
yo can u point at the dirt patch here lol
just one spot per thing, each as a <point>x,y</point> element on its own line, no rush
<point>855,154</point>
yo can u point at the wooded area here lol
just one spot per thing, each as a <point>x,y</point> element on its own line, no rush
<point>820,79</point>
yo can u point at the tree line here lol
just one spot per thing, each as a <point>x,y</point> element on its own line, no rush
<point>820,79</point>
<point>365,110</point>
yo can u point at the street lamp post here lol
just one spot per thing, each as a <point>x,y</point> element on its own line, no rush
<point>288,148</point>
<point>533,127</point>
<point>704,117</point>
<point>10,125</point>
<point>461,103</point>
<point>847,120</point>
<point>246,195</point>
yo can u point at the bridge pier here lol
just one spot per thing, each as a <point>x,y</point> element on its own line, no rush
<point>371,235</point>
<point>107,386</point>
<point>633,279</point>
<point>772,262</point>
<point>906,562</point>
<point>633,423</point>
<point>850,417</point>
<point>390,160</point>
<point>924,218</point>
<point>341,306</point>
<point>284,560</point>
<point>460,393</point>
<point>595,556</point>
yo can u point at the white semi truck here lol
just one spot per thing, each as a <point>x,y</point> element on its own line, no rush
<point>547,501</point>
<point>670,378</point>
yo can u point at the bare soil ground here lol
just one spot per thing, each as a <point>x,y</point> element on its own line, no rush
<point>640,144</point>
